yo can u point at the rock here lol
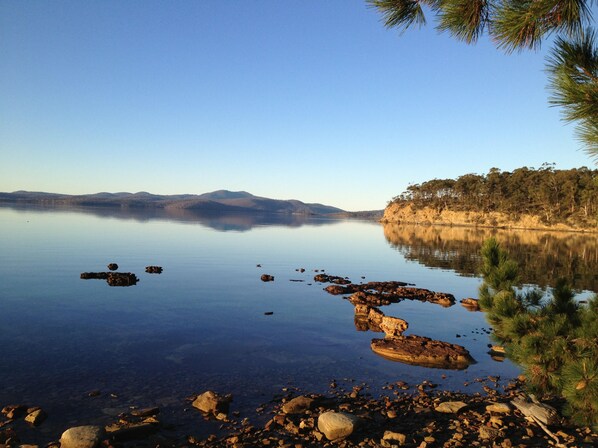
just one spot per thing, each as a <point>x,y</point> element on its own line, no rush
<point>499,408</point>
<point>324,278</point>
<point>212,403</point>
<point>134,431</point>
<point>35,416</point>
<point>336,289</point>
<point>13,411</point>
<point>145,412</point>
<point>153,269</point>
<point>470,304</point>
<point>421,351</point>
<point>393,326</point>
<point>298,405</point>
<point>450,407</point>
<point>113,278</point>
<point>395,437</point>
<point>81,437</point>
<point>267,278</point>
<point>497,350</point>
<point>336,425</point>
<point>94,275</point>
<point>112,266</point>
<point>487,433</point>
<point>375,318</point>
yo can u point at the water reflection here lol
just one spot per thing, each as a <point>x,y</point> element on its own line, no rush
<point>542,256</point>
<point>217,220</point>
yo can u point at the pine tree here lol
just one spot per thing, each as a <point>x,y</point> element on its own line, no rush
<point>516,25</point>
<point>553,338</point>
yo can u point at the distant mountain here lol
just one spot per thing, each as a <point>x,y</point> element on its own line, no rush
<point>216,201</point>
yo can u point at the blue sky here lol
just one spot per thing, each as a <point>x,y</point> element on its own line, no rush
<point>310,100</point>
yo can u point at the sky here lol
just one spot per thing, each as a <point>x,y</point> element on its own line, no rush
<point>296,99</point>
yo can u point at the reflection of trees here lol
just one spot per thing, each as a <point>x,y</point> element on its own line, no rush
<point>542,256</point>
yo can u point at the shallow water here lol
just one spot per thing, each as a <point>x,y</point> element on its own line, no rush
<point>201,324</point>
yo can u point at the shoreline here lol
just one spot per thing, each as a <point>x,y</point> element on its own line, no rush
<point>418,416</point>
<point>408,215</point>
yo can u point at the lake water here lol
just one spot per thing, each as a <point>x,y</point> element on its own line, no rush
<point>201,324</point>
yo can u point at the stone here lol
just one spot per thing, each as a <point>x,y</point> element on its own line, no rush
<point>267,278</point>
<point>212,403</point>
<point>393,326</point>
<point>35,416</point>
<point>113,278</point>
<point>153,269</point>
<point>395,437</point>
<point>450,407</point>
<point>500,408</point>
<point>336,425</point>
<point>422,351</point>
<point>145,412</point>
<point>298,405</point>
<point>81,437</point>
<point>122,279</point>
<point>486,433</point>
<point>13,411</point>
<point>112,266</point>
<point>130,432</point>
<point>470,304</point>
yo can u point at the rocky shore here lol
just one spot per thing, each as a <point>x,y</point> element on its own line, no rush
<point>399,213</point>
<point>348,416</point>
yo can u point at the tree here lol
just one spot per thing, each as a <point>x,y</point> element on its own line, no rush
<point>554,338</point>
<point>516,25</point>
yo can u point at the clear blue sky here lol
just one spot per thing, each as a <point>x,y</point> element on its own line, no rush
<point>310,100</point>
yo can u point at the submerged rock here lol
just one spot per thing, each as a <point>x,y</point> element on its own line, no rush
<point>422,351</point>
<point>153,269</point>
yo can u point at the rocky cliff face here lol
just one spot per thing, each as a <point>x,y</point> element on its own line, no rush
<point>407,214</point>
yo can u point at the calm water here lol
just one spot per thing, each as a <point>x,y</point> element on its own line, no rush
<point>201,324</point>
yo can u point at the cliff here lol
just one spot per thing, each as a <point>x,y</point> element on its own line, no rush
<point>406,213</point>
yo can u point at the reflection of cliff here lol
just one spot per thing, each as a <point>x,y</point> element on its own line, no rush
<point>542,256</point>
<point>223,221</point>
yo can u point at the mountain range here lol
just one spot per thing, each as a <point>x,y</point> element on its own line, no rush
<point>216,201</point>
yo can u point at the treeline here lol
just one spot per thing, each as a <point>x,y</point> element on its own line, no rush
<point>554,195</point>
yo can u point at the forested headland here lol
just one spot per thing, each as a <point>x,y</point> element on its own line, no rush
<point>526,198</point>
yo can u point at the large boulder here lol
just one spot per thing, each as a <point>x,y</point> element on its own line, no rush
<point>336,425</point>
<point>81,437</point>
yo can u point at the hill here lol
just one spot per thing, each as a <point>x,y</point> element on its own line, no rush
<point>529,198</point>
<point>220,201</point>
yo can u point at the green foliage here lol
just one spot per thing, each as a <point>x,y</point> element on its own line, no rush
<point>518,25</point>
<point>555,340</point>
<point>573,74</point>
<point>556,196</point>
